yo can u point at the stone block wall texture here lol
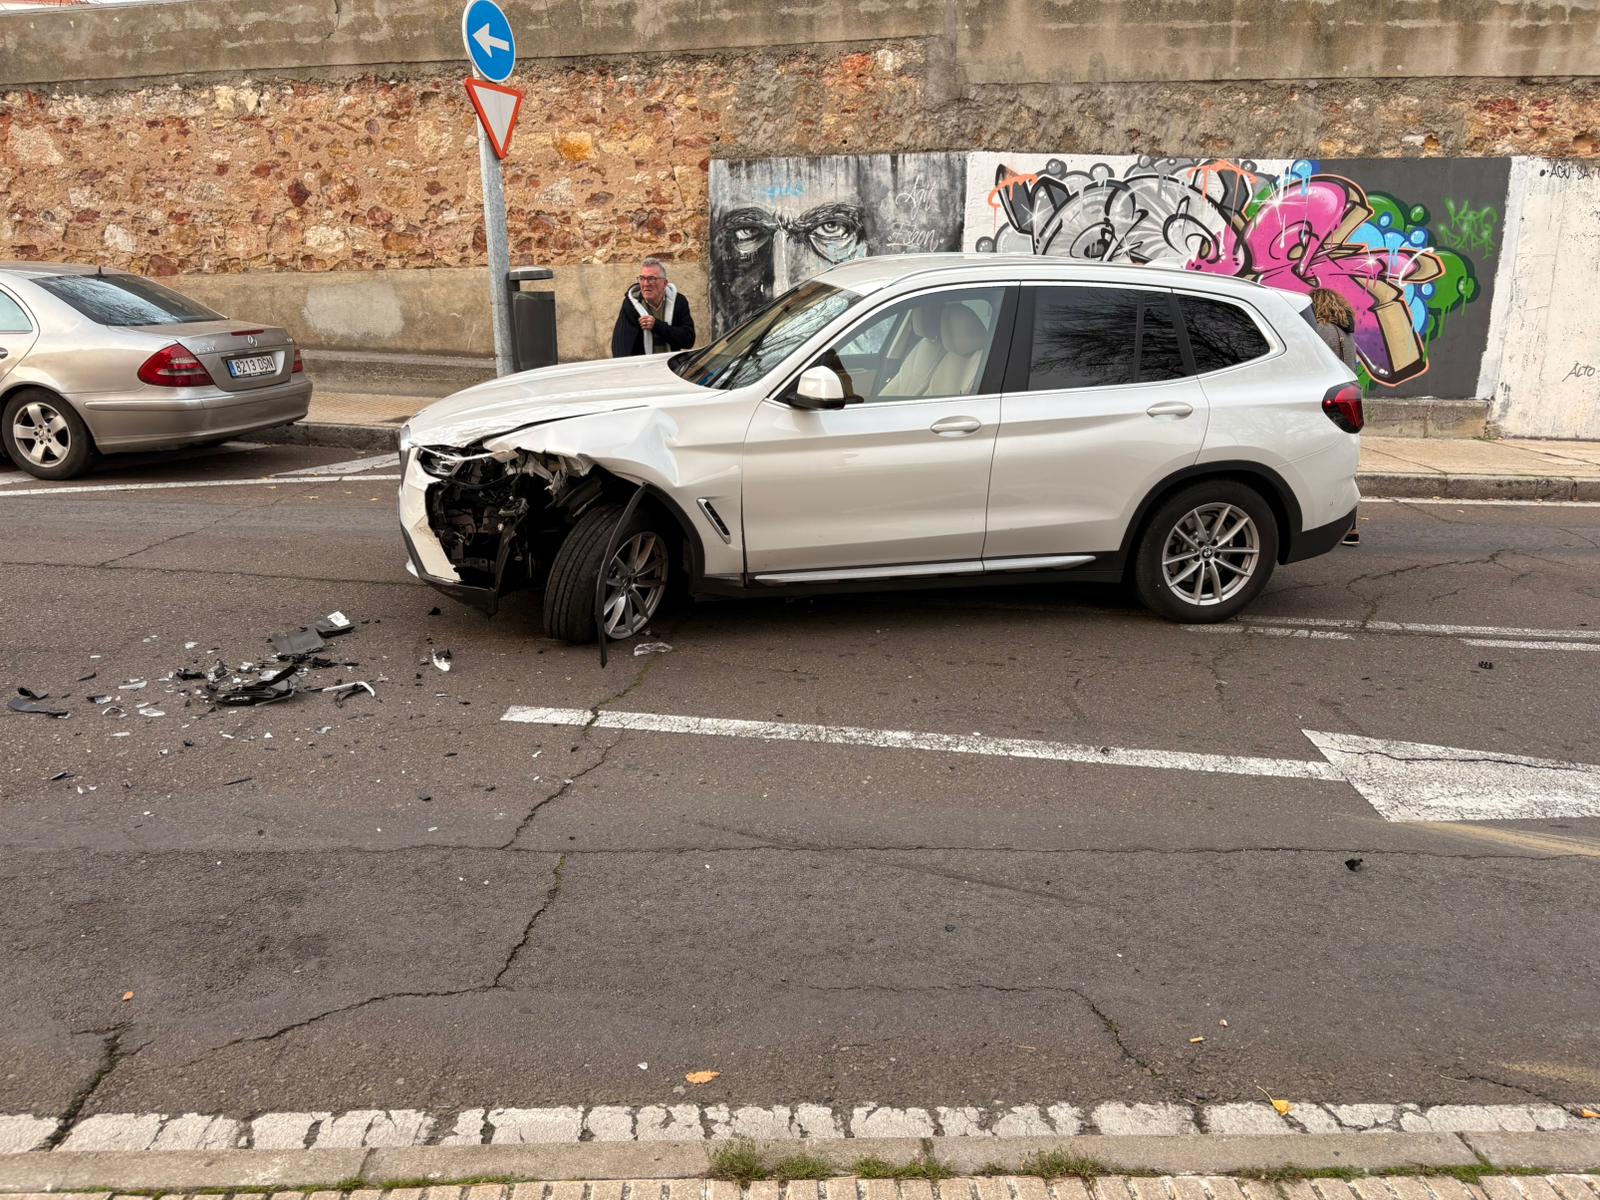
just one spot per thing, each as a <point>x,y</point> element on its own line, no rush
<point>322,137</point>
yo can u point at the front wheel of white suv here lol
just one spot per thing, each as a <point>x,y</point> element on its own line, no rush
<point>1207,551</point>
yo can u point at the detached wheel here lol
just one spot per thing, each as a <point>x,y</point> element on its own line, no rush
<point>45,436</point>
<point>637,578</point>
<point>1206,553</point>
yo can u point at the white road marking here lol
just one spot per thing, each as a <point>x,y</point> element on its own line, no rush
<point>1487,503</point>
<point>343,468</point>
<point>1493,644</point>
<point>778,1122</point>
<point>1323,635</point>
<point>1403,781</point>
<point>262,481</point>
<point>949,743</point>
<point>1414,781</point>
<point>1416,627</point>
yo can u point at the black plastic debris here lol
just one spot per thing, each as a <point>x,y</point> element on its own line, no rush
<point>189,674</point>
<point>86,678</point>
<point>443,659</point>
<point>241,779</point>
<point>30,694</point>
<point>60,775</point>
<point>301,641</point>
<point>261,691</point>
<point>343,691</point>
<point>1485,665</point>
<point>22,704</point>
<point>334,624</point>
<point>434,612</point>
<point>1354,864</point>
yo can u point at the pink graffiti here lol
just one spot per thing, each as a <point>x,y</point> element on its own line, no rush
<point>1298,240</point>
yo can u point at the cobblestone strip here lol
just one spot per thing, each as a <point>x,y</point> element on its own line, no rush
<point>375,1128</point>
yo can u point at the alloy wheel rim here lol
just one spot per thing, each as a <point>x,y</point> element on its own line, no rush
<point>1211,554</point>
<point>41,433</point>
<point>636,580</point>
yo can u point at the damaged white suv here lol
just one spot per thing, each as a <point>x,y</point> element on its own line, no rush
<point>903,421</point>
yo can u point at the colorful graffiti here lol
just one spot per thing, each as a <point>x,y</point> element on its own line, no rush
<point>1292,226</point>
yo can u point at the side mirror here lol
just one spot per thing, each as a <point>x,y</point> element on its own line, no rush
<point>818,388</point>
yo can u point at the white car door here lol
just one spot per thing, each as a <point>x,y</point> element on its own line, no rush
<point>896,482</point>
<point>1100,404</point>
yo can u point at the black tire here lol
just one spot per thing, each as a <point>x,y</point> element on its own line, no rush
<point>1171,598</point>
<point>79,454</point>
<point>569,590</point>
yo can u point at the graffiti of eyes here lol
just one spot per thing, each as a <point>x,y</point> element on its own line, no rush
<point>834,231</point>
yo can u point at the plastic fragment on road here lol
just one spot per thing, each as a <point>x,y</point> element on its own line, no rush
<point>334,624</point>
<point>651,648</point>
<point>1354,864</point>
<point>1589,1113</point>
<point>299,641</point>
<point>701,1076</point>
<point>126,996</point>
<point>443,659</point>
<point>343,691</point>
<point>264,691</point>
<point>132,685</point>
<point>1195,1041</point>
<point>28,702</point>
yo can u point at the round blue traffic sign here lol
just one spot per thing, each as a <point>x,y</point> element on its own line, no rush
<point>491,45</point>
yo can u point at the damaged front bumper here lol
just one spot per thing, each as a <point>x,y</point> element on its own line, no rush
<point>478,525</point>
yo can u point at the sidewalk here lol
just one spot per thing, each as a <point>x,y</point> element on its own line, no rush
<point>1391,467</point>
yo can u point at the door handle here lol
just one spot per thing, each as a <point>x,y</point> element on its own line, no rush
<point>1170,408</point>
<point>956,426</point>
<point>4,353</point>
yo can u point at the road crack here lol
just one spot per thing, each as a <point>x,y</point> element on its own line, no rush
<point>111,1056</point>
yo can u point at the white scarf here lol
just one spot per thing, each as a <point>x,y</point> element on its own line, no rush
<point>667,304</point>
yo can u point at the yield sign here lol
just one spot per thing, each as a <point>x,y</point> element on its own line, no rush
<point>497,108</point>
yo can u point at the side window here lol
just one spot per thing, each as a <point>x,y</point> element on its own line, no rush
<point>12,318</point>
<point>1221,334</point>
<point>1102,337</point>
<point>923,347</point>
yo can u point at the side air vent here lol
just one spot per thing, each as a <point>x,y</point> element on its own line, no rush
<point>716,520</point>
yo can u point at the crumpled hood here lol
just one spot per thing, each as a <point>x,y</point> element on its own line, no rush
<point>549,394</point>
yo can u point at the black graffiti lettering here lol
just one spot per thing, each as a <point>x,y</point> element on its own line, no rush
<point>1580,370</point>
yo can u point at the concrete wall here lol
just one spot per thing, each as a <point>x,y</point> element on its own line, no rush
<point>427,311</point>
<point>1543,369</point>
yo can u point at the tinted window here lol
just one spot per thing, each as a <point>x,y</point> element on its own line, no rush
<point>1101,337</point>
<point>1221,334</point>
<point>125,300</point>
<point>12,318</point>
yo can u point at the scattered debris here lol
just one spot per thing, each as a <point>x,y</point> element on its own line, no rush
<point>1283,1107</point>
<point>434,611</point>
<point>1485,665</point>
<point>644,1066</point>
<point>644,648</point>
<point>949,928</point>
<point>99,699</point>
<point>146,711</point>
<point>442,659</point>
<point>301,641</point>
<point>30,694</point>
<point>334,624</point>
<point>241,779</point>
<point>343,691</point>
<point>190,674</point>
<point>22,704</point>
<point>190,645</point>
<point>701,1076</point>
<point>264,691</point>
<point>1223,1023</point>
<point>1589,1113</point>
<point>1354,864</point>
<point>126,996</point>
<point>86,678</point>
<point>1195,1041</point>
<point>132,685</point>
<point>60,775</point>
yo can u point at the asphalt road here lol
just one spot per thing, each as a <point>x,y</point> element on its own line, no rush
<point>404,901</point>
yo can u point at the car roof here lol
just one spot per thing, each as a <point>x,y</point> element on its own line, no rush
<point>33,270</point>
<point>886,270</point>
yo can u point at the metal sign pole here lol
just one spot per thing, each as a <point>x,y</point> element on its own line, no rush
<point>494,229</point>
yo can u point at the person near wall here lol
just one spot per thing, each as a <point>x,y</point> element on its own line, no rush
<point>655,316</point>
<point>1336,323</point>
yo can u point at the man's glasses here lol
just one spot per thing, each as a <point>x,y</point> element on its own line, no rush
<point>652,279</point>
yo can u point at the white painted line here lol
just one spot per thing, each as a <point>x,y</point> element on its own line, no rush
<point>1417,627</point>
<point>1493,644</point>
<point>1323,635</point>
<point>1486,503</point>
<point>948,743</point>
<point>263,481</point>
<point>343,468</point>
<point>1414,781</point>
<point>778,1122</point>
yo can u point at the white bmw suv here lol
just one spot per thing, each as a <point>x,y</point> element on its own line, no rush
<point>905,421</point>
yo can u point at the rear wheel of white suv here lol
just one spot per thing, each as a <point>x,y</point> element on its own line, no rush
<point>1206,552</point>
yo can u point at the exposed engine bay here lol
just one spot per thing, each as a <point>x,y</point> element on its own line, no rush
<point>501,516</point>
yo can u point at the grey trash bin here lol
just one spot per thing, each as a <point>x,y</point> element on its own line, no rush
<point>533,320</point>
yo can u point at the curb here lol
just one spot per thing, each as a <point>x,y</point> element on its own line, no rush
<point>325,433</point>
<point>1360,1153</point>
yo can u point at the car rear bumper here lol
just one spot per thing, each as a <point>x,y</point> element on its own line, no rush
<point>1311,542</point>
<point>142,422</point>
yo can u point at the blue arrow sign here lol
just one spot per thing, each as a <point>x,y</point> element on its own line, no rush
<point>490,43</point>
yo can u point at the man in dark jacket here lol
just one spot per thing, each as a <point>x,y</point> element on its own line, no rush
<point>655,317</point>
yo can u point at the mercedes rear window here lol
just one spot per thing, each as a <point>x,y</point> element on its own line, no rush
<point>125,300</point>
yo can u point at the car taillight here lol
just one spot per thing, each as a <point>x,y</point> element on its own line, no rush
<point>174,366</point>
<point>1343,406</point>
<point>298,365</point>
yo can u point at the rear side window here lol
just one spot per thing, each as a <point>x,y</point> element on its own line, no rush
<point>1101,337</point>
<point>125,300</point>
<point>1221,334</point>
<point>12,318</point>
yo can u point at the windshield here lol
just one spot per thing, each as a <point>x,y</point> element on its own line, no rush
<point>125,300</point>
<point>745,354</point>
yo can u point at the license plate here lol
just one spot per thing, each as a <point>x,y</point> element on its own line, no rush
<point>249,368</point>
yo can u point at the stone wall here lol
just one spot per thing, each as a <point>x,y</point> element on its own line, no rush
<point>320,138</point>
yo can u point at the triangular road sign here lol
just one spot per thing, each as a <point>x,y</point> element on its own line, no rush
<point>497,108</point>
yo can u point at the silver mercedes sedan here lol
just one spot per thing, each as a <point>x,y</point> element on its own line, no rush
<point>99,362</point>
